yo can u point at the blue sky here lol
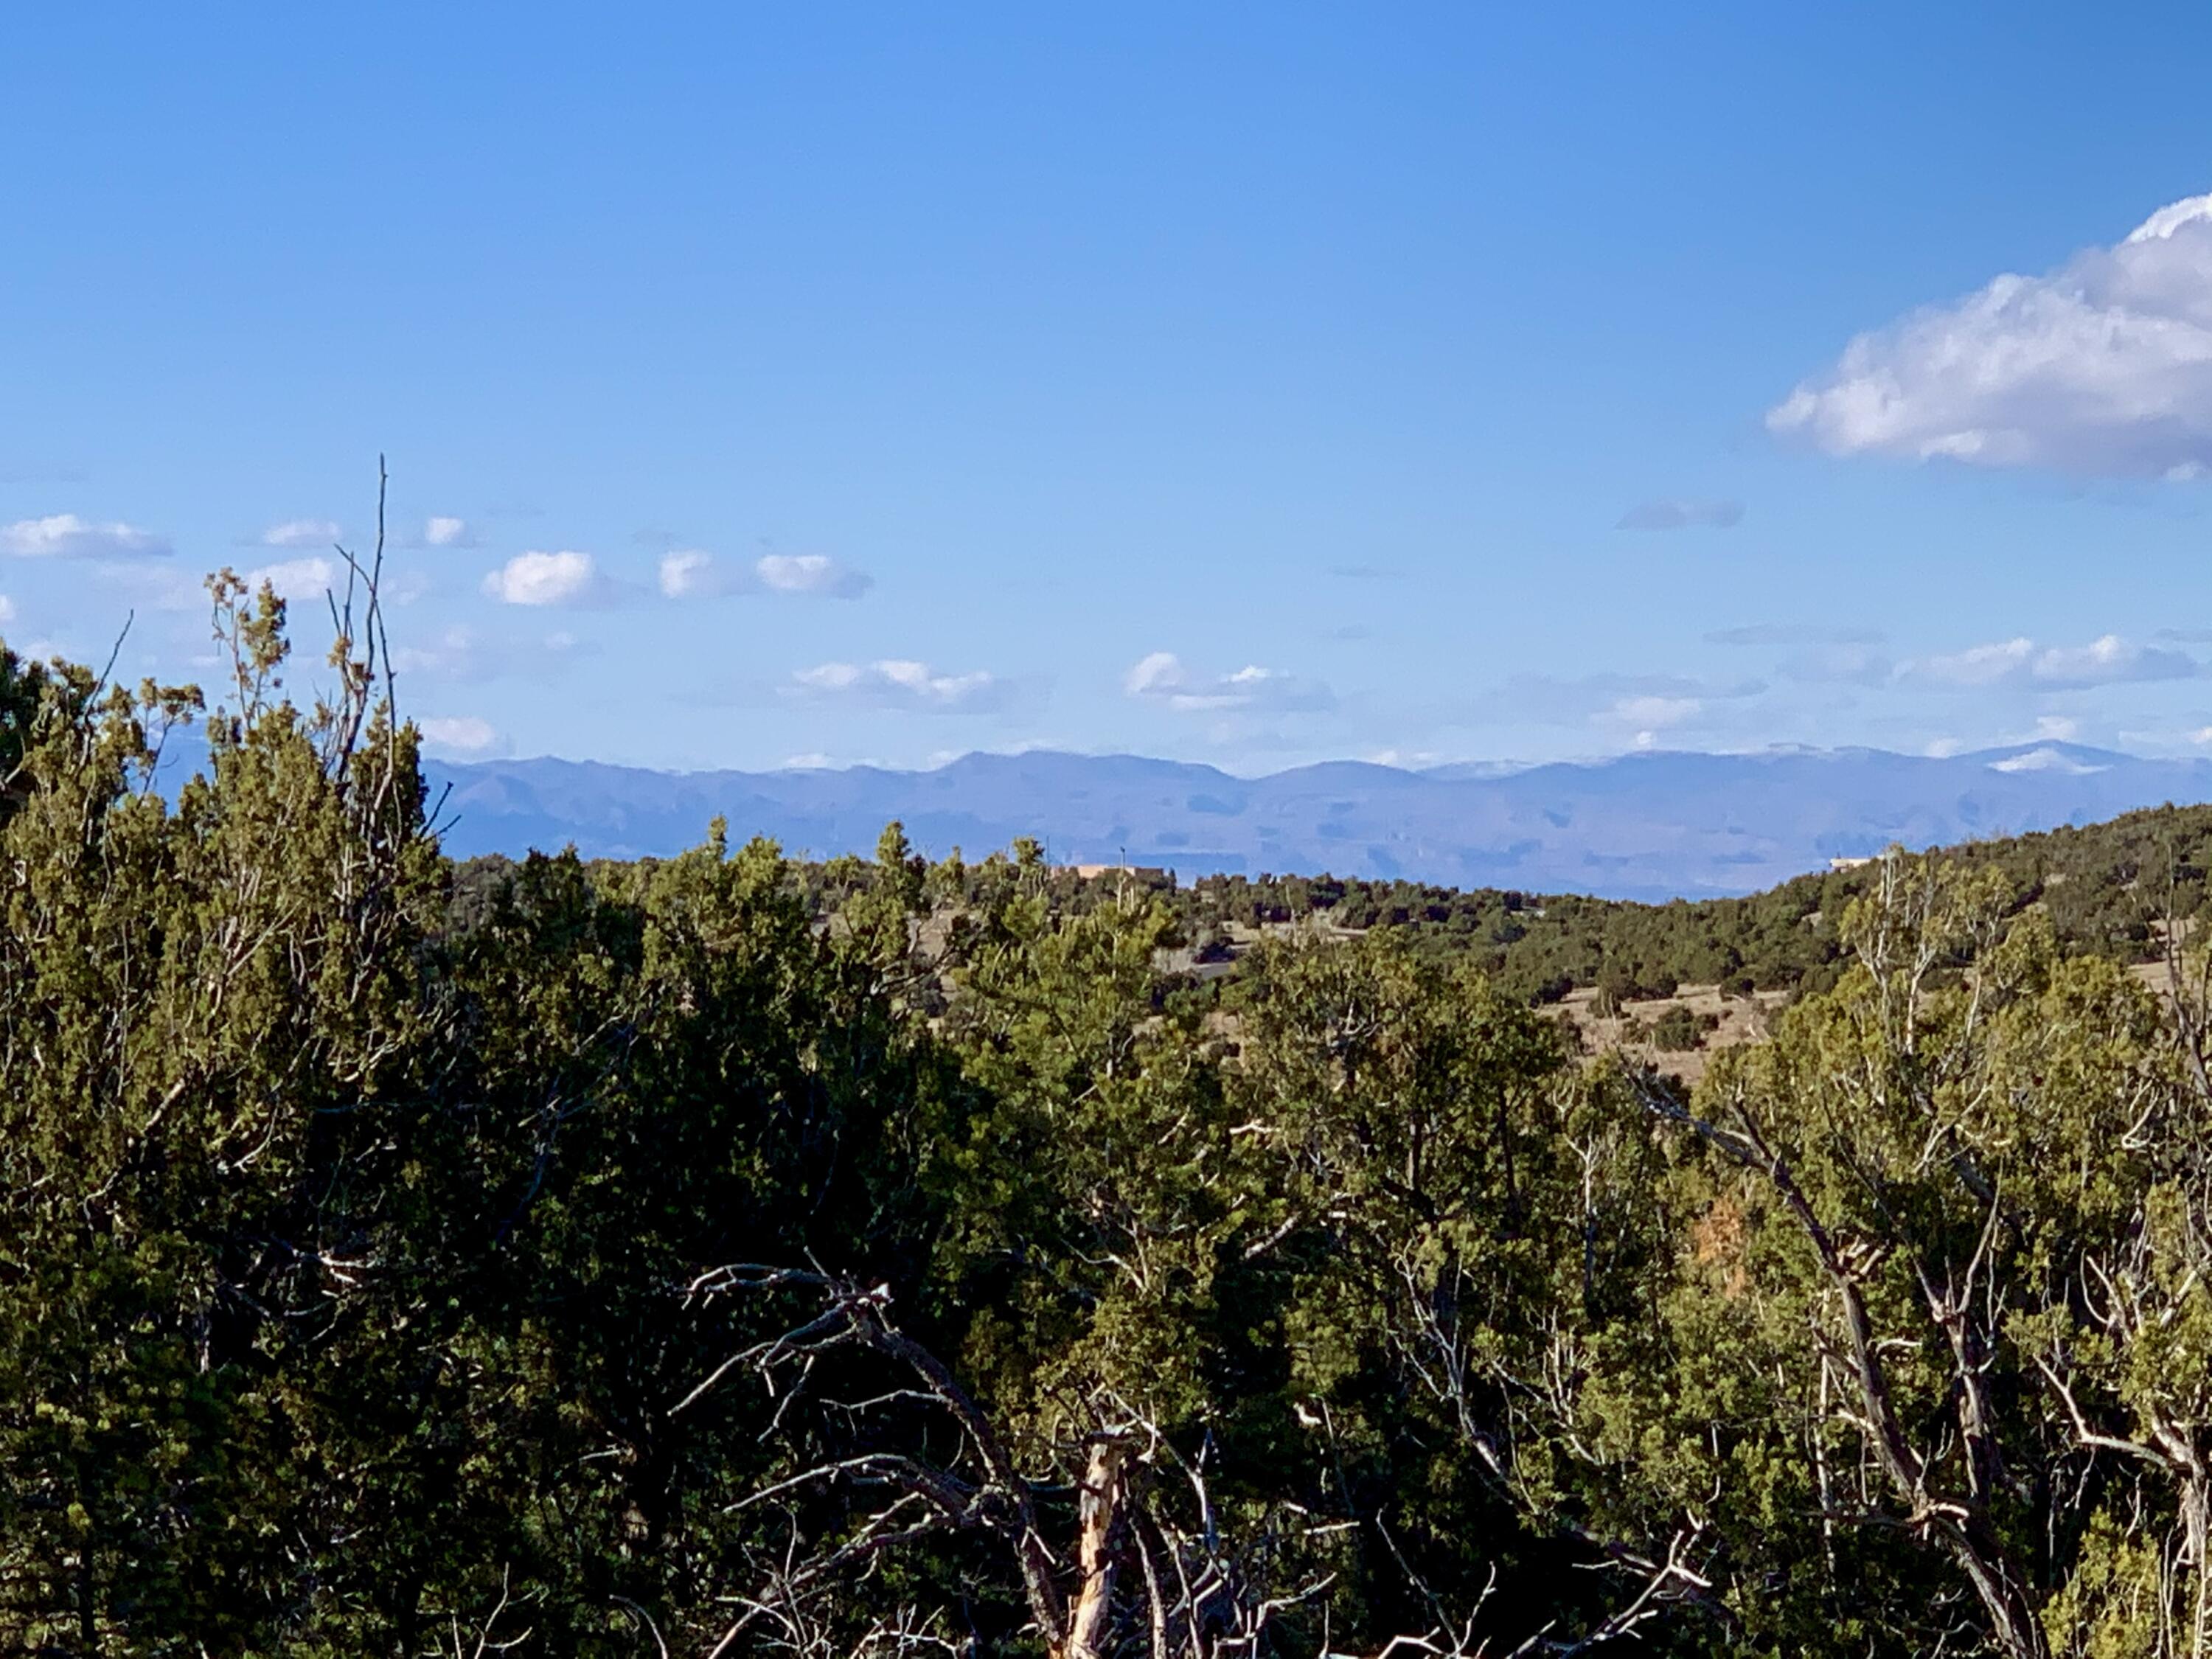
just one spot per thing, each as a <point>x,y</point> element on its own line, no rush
<point>1270,385</point>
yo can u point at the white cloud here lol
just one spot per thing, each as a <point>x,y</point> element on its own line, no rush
<point>1682,515</point>
<point>1651,715</point>
<point>447,533</point>
<point>811,573</point>
<point>296,579</point>
<point>1648,715</point>
<point>1644,701</point>
<point>66,536</point>
<point>2044,760</point>
<point>2021,663</point>
<point>1162,677</point>
<point>563,578</point>
<point>1983,665</point>
<point>689,572</point>
<point>901,684</point>
<point>150,587</point>
<point>301,532</point>
<point>1840,664</point>
<point>463,735</point>
<point>2103,365</point>
<point>6,609</point>
<point>453,653</point>
<point>460,654</point>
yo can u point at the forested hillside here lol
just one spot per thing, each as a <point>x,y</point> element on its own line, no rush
<point>2110,888</point>
<point>2118,889</point>
<point>722,1255</point>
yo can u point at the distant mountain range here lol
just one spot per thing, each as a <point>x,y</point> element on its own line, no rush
<point>1646,826</point>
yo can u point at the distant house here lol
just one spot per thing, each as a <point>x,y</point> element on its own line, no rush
<point>1148,875</point>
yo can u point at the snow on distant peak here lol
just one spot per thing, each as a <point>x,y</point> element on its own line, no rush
<point>2045,759</point>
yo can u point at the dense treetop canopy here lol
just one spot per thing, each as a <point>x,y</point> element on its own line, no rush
<point>721,1255</point>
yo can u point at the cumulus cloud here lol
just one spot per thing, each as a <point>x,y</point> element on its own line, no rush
<point>811,573</point>
<point>534,578</point>
<point>464,735</point>
<point>6,609</point>
<point>447,533</point>
<point>66,536</point>
<point>300,532</point>
<point>689,572</point>
<point>898,683</point>
<point>2023,665</point>
<point>1682,515</point>
<point>1163,679</point>
<point>296,579</point>
<point>2102,366</point>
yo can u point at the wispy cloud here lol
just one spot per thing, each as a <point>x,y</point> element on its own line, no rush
<point>454,652</point>
<point>543,579</point>
<point>2102,366</point>
<point>1645,717</point>
<point>461,655</point>
<point>299,532</point>
<point>1846,663</point>
<point>1607,699</point>
<point>1679,514</point>
<point>66,536</point>
<point>899,683</point>
<point>2022,663</point>
<point>445,531</point>
<point>1163,679</point>
<point>1793,633</point>
<point>692,573</point>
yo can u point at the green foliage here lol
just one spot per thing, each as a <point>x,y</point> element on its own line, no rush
<point>2109,889</point>
<point>560,1257</point>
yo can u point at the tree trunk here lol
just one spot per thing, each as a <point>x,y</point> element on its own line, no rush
<point>1099,1515</point>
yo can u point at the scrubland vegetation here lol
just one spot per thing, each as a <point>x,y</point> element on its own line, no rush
<point>725,1256</point>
